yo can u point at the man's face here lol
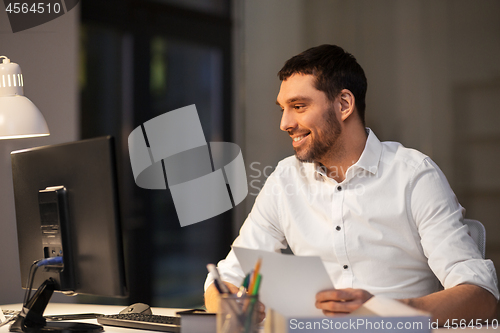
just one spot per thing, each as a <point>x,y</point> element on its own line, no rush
<point>309,118</point>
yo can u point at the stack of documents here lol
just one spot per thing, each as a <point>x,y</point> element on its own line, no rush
<point>289,291</point>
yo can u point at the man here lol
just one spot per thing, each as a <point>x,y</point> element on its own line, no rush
<point>382,217</point>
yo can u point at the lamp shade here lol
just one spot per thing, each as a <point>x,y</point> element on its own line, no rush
<point>19,117</point>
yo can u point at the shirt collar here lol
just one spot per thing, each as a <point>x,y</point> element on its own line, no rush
<point>370,157</point>
<point>368,160</point>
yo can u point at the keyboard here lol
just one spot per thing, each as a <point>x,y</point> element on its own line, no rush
<point>143,322</point>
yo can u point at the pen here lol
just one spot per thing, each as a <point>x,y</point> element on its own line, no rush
<point>216,283</point>
<point>244,286</point>
<point>246,281</point>
<point>222,288</point>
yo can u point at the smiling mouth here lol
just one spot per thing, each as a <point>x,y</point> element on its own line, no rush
<point>299,139</point>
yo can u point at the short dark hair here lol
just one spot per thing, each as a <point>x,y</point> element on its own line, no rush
<point>334,69</point>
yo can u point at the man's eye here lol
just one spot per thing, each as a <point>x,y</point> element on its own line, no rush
<point>298,107</point>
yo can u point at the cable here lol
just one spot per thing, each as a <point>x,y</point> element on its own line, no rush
<point>50,261</point>
<point>32,272</point>
<point>29,284</point>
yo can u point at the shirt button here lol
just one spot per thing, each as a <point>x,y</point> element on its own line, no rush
<point>339,188</point>
<point>346,267</point>
<point>338,228</point>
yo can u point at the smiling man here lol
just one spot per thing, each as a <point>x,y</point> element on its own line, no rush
<point>382,217</point>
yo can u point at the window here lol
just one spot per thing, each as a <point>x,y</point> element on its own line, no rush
<point>140,59</point>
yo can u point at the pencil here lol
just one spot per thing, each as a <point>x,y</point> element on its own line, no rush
<point>255,274</point>
<point>255,290</point>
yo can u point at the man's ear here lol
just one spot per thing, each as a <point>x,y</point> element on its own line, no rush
<point>347,103</point>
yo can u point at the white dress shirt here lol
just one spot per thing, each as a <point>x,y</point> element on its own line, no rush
<point>393,227</point>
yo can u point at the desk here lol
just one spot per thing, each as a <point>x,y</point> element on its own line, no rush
<point>60,308</point>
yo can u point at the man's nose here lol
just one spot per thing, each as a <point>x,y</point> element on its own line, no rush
<point>288,121</point>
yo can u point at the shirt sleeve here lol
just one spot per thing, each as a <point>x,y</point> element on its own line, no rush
<point>452,254</point>
<point>261,230</point>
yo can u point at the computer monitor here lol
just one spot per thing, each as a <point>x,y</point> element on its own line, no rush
<point>67,205</point>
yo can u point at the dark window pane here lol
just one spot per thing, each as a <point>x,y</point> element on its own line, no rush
<point>218,7</point>
<point>128,76</point>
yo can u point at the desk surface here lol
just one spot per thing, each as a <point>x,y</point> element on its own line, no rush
<point>60,308</point>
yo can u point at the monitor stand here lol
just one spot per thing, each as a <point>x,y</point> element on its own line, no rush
<point>31,319</point>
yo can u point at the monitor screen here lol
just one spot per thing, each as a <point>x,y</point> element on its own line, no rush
<point>66,201</point>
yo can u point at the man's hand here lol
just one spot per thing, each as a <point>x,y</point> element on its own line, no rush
<point>212,296</point>
<point>341,301</point>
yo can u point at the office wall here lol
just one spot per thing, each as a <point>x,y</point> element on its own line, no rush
<point>402,45</point>
<point>48,58</point>
<point>433,75</point>
<point>433,83</point>
<point>264,38</point>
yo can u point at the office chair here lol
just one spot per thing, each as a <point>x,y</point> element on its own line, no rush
<point>478,234</point>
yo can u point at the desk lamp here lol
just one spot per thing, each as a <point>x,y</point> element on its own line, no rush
<point>19,117</point>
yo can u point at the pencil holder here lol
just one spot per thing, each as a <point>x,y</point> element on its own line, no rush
<point>238,314</point>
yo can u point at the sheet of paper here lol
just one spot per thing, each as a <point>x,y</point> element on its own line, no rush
<point>385,307</point>
<point>289,283</point>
